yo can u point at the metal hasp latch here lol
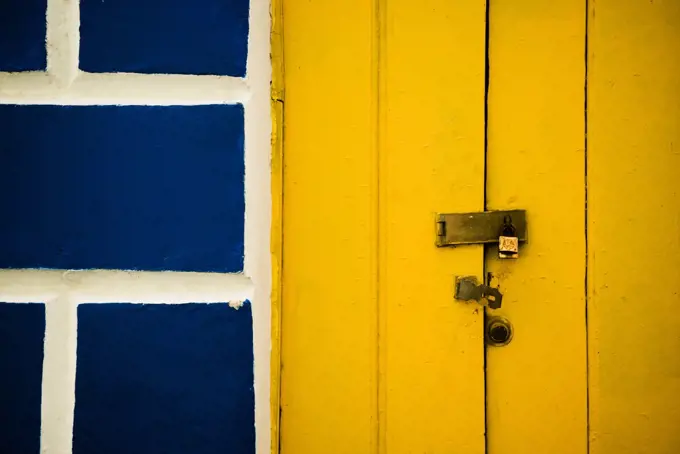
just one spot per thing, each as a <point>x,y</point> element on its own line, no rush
<point>478,228</point>
<point>469,289</point>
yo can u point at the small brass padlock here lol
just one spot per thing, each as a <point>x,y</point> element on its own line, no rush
<point>508,242</point>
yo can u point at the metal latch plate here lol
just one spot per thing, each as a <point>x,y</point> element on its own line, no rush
<point>468,289</point>
<point>454,229</point>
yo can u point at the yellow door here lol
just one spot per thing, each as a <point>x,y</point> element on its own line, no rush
<point>396,110</point>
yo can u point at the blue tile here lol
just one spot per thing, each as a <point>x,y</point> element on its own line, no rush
<point>148,188</point>
<point>22,332</point>
<point>171,379</point>
<point>22,35</point>
<point>164,36</point>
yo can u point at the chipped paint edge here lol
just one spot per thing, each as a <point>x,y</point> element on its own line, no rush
<point>276,241</point>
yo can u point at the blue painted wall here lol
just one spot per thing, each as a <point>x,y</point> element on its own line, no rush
<point>145,188</point>
<point>22,35</point>
<point>22,332</point>
<point>170,379</point>
<point>125,187</point>
<point>164,36</point>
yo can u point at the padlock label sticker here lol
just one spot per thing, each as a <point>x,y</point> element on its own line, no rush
<point>508,246</point>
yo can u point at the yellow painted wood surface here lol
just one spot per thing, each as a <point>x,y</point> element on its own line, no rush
<point>432,160</point>
<point>276,102</point>
<point>384,127</point>
<point>537,385</point>
<point>634,226</point>
<point>329,319</point>
<point>384,363</point>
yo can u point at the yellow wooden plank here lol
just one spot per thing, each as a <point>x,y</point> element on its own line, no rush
<point>276,102</point>
<point>329,321</point>
<point>537,385</point>
<point>634,226</point>
<point>432,160</point>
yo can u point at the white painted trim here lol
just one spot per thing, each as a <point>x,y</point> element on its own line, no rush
<point>94,286</point>
<point>121,89</point>
<point>257,265</point>
<point>59,377</point>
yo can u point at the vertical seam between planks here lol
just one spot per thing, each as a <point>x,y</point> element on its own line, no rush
<point>486,95</point>
<point>487,79</point>
<point>586,258</point>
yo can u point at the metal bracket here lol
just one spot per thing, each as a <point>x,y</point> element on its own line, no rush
<point>478,228</point>
<point>469,289</point>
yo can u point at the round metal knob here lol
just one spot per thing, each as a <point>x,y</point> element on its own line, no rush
<point>498,331</point>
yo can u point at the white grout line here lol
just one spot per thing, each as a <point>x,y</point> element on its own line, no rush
<point>158,89</point>
<point>63,39</point>
<point>27,87</point>
<point>59,377</point>
<point>149,287</point>
<point>121,89</point>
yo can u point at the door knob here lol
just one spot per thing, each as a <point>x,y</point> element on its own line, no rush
<point>498,331</point>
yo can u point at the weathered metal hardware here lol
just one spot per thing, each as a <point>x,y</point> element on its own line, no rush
<point>498,331</point>
<point>469,289</point>
<point>508,242</point>
<point>454,229</point>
